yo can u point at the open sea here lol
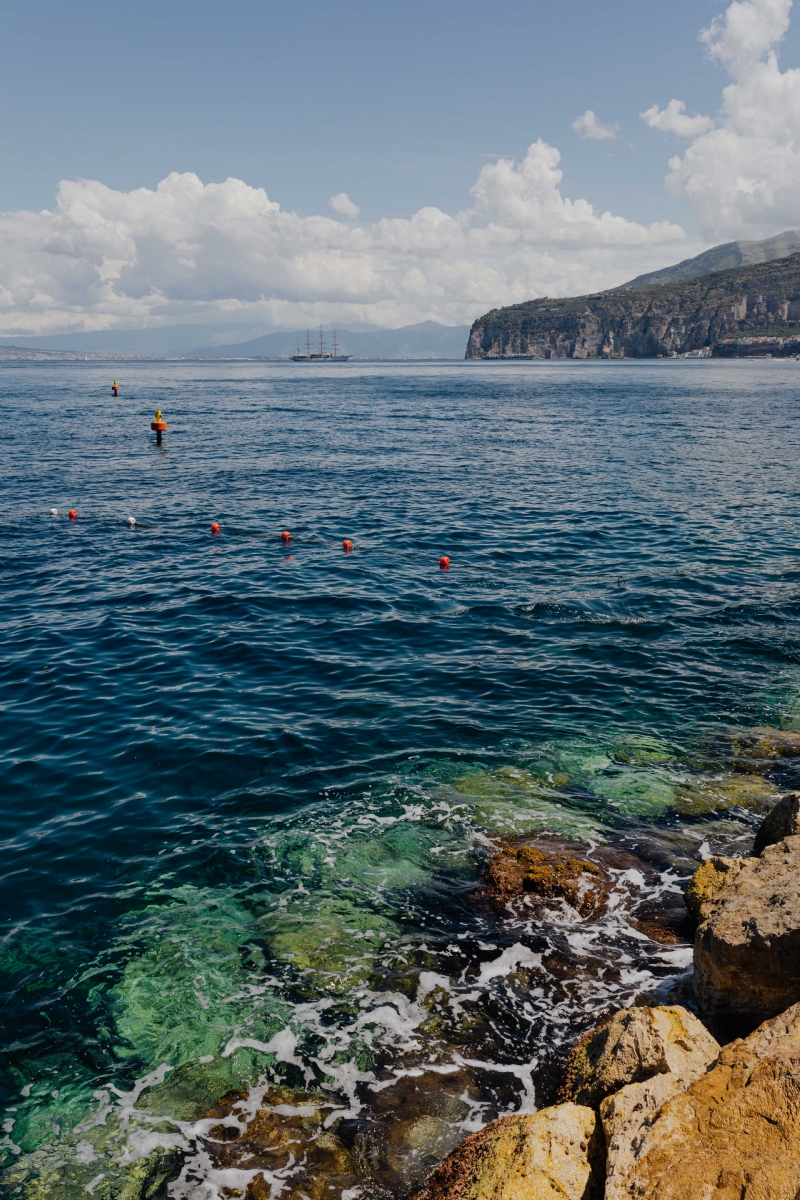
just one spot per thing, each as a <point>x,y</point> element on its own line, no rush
<point>250,788</point>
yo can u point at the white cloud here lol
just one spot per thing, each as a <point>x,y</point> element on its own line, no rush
<point>741,174</point>
<point>189,251</point>
<point>525,203</point>
<point>588,126</point>
<point>342,203</point>
<point>749,30</point>
<point>673,119</point>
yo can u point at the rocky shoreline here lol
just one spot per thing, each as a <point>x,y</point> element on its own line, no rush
<point>653,1106</point>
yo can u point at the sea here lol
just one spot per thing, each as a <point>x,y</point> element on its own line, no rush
<point>251,785</point>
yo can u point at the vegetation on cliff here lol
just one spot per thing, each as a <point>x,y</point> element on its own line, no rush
<point>645,322</point>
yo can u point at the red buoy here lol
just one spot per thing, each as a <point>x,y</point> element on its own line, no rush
<point>73,514</point>
<point>215,526</point>
<point>287,537</point>
<point>347,545</point>
<point>444,563</point>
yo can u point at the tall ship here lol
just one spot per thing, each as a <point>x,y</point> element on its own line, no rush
<point>323,354</point>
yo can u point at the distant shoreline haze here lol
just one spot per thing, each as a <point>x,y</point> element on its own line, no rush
<point>428,339</point>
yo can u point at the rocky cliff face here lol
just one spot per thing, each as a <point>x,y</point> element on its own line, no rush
<point>646,322</point>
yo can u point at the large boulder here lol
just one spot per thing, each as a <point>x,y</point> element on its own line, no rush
<point>636,1045</point>
<point>782,822</point>
<point>732,1133</point>
<point>555,1154</point>
<point>712,875</point>
<point>747,948</point>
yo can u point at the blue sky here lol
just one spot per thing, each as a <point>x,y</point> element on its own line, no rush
<point>401,106</point>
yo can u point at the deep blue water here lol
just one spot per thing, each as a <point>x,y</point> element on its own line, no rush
<point>200,732</point>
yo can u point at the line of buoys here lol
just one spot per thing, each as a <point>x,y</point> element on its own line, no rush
<point>347,545</point>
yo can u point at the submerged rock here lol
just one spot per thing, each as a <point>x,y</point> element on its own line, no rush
<point>636,1045</point>
<point>285,1134</point>
<point>747,949</point>
<point>733,1132</point>
<point>557,1152</point>
<point>759,748</point>
<point>782,822</point>
<point>717,793</point>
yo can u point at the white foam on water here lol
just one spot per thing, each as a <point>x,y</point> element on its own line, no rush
<point>512,959</point>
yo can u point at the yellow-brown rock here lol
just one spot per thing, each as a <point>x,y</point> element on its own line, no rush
<point>520,870</point>
<point>712,875</point>
<point>636,1045</point>
<point>732,1134</point>
<point>747,948</point>
<point>555,1154</point>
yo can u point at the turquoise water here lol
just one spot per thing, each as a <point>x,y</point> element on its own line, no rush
<point>250,789</point>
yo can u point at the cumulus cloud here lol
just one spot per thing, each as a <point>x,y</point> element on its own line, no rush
<point>342,203</point>
<point>588,126</point>
<point>741,173</point>
<point>189,251</point>
<point>674,119</point>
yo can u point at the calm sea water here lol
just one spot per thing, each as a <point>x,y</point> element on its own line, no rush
<point>249,789</point>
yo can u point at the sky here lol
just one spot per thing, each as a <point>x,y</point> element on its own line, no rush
<point>271,165</point>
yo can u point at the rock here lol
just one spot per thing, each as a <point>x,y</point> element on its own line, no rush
<point>707,880</point>
<point>518,870</point>
<point>747,949</point>
<point>623,1115</point>
<point>285,1134</point>
<point>636,1045</point>
<point>758,749</point>
<point>732,1133</point>
<point>782,822</point>
<point>555,1154</point>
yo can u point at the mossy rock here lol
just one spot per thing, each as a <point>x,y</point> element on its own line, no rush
<point>707,880</point>
<point>715,794</point>
<point>329,939</point>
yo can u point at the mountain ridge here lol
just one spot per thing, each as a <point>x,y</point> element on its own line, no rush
<point>721,258</point>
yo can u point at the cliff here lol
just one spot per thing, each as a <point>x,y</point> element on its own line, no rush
<point>648,321</point>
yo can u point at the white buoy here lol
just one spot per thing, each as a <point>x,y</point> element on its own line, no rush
<point>53,512</point>
<point>131,521</point>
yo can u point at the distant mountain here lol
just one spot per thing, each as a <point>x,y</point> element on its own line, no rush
<point>721,258</point>
<point>162,340</point>
<point>425,340</point>
<point>650,320</point>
